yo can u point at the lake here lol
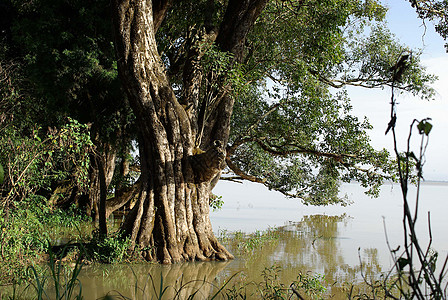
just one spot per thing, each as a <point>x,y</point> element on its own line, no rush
<point>250,207</point>
<point>328,240</point>
<point>331,241</point>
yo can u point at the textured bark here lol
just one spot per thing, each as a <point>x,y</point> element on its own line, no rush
<point>236,24</point>
<point>170,220</point>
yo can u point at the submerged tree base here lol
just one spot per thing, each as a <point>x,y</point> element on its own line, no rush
<point>168,232</point>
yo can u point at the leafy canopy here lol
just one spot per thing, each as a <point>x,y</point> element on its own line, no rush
<point>292,127</point>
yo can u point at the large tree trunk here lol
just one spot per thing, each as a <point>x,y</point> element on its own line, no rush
<point>171,218</point>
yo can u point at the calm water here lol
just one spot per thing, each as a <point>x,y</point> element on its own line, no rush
<point>323,240</point>
<point>249,208</point>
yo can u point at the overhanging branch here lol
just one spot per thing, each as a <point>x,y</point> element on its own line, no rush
<point>343,159</point>
<point>242,174</point>
<point>297,149</point>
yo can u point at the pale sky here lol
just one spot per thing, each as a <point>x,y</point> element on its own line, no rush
<point>409,30</point>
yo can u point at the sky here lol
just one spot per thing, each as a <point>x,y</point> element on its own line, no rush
<point>409,30</point>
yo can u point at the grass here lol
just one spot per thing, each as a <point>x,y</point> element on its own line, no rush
<point>62,283</point>
<point>248,243</point>
<point>25,232</point>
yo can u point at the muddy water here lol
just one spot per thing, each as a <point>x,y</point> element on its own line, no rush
<point>332,241</point>
<point>312,244</point>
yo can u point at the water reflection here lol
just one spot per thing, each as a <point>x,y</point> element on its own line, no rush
<point>144,281</point>
<point>312,244</point>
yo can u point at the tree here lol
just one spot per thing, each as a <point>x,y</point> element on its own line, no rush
<point>65,52</point>
<point>435,11</point>
<point>185,68</point>
<point>252,88</point>
<point>172,212</point>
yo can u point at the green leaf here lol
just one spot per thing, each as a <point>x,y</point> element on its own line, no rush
<point>402,262</point>
<point>424,127</point>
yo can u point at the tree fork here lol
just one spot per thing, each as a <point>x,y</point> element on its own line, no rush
<point>170,221</point>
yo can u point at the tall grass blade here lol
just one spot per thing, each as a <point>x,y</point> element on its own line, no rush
<point>39,286</point>
<point>222,287</point>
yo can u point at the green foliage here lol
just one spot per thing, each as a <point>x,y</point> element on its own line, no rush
<point>33,162</point>
<point>299,135</point>
<point>25,232</point>
<point>311,285</point>
<point>250,243</point>
<point>424,127</point>
<point>374,55</point>
<point>67,68</point>
<point>111,249</point>
<point>2,174</point>
<point>293,125</point>
<point>294,163</point>
<point>67,48</point>
<point>216,202</point>
<point>257,239</point>
<point>272,288</point>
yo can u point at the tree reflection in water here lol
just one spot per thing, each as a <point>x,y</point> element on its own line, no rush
<point>312,244</point>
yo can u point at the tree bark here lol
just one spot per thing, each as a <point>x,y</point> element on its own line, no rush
<point>170,221</point>
<point>126,195</point>
<point>106,159</point>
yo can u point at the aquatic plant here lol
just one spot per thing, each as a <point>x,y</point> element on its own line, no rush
<point>247,243</point>
<point>65,284</point>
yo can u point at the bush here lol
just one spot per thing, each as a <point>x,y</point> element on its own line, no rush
<point>111,249</point>
<point>25,232</point>
<point>33,162</point>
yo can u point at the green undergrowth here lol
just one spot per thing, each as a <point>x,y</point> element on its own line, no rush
<point>110,249</point>
<point>30,231</point>
<point>25,232</point>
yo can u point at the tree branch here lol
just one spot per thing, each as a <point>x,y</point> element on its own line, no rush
<point>242,174</point>
<point>237,22</point>
<point>159,10</point>
<point>297,149</point>
<point>192,78</point>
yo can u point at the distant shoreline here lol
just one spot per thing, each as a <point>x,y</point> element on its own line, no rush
<point>434,182</point>
<point>423,182</point>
